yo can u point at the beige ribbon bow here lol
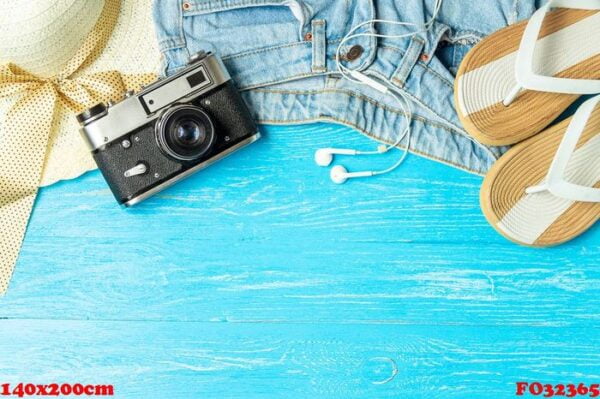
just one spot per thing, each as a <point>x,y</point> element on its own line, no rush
<point>24,136</point>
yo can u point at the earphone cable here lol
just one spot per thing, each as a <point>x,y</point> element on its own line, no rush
<point>402,98</point>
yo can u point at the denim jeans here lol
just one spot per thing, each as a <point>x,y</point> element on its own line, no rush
<point>281,54</point>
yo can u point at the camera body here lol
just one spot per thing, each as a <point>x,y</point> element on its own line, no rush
<point>171,129</point>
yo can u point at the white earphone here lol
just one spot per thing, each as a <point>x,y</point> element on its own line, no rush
<point>324,157</point>
<point>339,174</point>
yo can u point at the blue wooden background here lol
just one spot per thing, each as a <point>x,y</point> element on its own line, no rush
<point>259,278</point>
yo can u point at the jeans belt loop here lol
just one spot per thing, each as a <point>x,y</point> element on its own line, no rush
<point>173,36</point>
<point>319,46</point>
<point>410,59</point>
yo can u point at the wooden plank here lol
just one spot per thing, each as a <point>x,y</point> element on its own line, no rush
<point>252,360</point>
<point>203,280</point>
<point>274,189</point>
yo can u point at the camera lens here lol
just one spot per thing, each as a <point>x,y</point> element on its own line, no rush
<point>185,133</point>
<point>189,133</point>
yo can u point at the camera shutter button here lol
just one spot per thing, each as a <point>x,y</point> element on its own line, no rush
<point>139,169</point>
<point>197,57</point>
<point>87,116</point>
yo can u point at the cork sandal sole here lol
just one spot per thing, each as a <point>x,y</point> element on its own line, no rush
<point>542,220</point>
<point>569,47</point>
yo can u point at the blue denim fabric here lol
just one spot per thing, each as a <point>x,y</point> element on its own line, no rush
<point>281,53</point>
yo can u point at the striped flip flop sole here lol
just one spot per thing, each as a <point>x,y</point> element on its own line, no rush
<point>541,219</point>
<point>568,47</point>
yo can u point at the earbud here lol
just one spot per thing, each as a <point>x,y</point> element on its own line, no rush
<point>324,156</point>
<point>339,174</point>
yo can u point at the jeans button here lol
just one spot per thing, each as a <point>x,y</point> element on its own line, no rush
<point>354,53</point>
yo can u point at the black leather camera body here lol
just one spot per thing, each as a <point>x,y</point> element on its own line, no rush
<point>171,129</point>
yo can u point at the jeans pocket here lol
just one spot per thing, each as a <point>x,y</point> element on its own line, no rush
<point>230,27</point>
<point>454,46</point>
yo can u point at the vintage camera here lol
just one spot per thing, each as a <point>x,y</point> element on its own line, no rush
<point>169,130</point>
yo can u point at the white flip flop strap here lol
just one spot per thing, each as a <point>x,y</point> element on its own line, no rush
<point>555,181</point>
<point>524,68</point>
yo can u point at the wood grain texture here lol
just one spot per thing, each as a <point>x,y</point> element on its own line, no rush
<point>258,360</point>
<point>260,278</point>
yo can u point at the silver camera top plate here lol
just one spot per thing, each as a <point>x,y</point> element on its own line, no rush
<point>139,109</point>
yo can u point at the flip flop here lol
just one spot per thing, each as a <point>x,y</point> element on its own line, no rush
<point>546,190</point>
<point>515,82</point>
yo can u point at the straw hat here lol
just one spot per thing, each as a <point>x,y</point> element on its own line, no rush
<point>57,58</point>
<point>42,36</point>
